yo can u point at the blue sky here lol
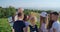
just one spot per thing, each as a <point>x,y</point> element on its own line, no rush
<point>31,3</point>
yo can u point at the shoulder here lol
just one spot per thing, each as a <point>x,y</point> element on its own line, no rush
<point>26,22</point>
<point>22,22</point>
<point>56,25</point>
<point>17,21</point>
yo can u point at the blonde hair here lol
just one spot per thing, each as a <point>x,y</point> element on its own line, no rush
<point>41,21</point>
<point>33,19</point>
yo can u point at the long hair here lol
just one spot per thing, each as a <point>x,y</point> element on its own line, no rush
<point>43,20</point>
<point>33,19</point>
<point>25,17</point>
<point>50,22</point>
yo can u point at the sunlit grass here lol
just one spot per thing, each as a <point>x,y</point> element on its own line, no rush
<point>4,25</point>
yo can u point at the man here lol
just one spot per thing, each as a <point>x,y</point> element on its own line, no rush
<point>19,25</point>
<point>20,10</point>
<point>54,25</point>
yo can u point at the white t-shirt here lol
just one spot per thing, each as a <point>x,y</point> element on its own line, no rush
<point>56,25</point>
<point>43,27</point>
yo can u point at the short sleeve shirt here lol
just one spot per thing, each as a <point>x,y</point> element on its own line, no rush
<point>18,26</point>
<point>56,25</point>
<point>27,23</point>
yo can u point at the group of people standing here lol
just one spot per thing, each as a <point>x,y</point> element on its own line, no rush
<point>27,23</point>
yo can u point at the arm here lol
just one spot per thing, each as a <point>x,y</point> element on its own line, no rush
<point>13,30</point>
<point>55,27</point>
<point>46,21</point>
<point>27,29</point>
<point>41,20</point>
<point>54,30</point>
<point>24,29</point>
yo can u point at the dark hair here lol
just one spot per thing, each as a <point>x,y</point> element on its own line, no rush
<point>19,14</point>
<point>55,13</point>
<point>51,21</point>
<point>50,24</point>
<point>25,16</point>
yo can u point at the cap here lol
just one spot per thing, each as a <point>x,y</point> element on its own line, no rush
<point>55,13</point>
<point>43,14</point>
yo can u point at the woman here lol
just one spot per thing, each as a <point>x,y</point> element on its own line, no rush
<point>33,26</point>
<point>26,22</point>
<point>54,25</point>
<point>43,22</point>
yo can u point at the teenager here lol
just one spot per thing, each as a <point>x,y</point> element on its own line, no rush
<point>26,22</point>
<point>19,25</point>
<point>43,22</point>
<point>33,26</point>
<point>54,25</point>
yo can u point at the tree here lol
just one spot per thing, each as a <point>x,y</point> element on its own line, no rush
<point>6,12</point>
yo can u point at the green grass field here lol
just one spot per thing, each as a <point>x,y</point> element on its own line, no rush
<point>4,25</point>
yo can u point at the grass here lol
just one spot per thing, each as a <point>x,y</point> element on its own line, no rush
<point>4,25</point>
<point>59,18</point>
